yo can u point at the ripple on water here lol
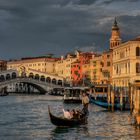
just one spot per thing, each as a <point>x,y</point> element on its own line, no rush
<point>26,117</point>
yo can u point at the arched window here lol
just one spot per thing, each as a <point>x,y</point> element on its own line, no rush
<point>53,81</point>
<point>8,76</point>
<point>137,51</point>
<point>48,79</point>
<point>31,75</point>
<point>37,77</point>
<point>14,75</point>
<point>137,67</point>
<point>59,82</point>
<point>2,78</point>
<point>42,78</point>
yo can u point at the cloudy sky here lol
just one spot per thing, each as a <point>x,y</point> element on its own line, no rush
<point>38,27</point>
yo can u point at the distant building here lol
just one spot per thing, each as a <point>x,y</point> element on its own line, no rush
<point>3,65</point>
<point>41,64</point>
<point>63,66</point>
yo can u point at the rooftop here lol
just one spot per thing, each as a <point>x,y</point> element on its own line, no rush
<point>136,39</point>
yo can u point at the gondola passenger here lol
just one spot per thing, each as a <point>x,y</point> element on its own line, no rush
<point>67,114</point>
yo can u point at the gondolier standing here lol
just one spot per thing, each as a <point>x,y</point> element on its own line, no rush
<point>85,102</point>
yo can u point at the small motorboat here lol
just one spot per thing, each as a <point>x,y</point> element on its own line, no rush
<point>73,94</point>
<point>61,121</point>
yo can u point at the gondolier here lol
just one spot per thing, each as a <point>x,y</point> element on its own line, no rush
<point>85,102</point>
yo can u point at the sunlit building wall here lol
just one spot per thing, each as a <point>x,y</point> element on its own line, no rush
<point>42,64</point>
<point>95,69</point>
<point>126,63</point>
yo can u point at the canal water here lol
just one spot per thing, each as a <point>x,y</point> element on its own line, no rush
<point>26,118</point>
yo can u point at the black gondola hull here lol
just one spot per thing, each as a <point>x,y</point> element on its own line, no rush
<point>59,121</point>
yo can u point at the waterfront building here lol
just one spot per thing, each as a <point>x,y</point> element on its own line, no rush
<point>76,73</point>
<point>86,73</point>
<point>96,69</point>
<point>63,66</point>
<point>106,76</point>
<point>126,62</point>
<point>80,71</point>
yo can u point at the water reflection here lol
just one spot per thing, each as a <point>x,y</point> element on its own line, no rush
<point>63,132</point>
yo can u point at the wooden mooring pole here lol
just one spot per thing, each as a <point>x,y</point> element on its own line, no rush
<point>135,103</point>
<point>121,98</point>
<point>109,96</point>
<point>131,94</point>
<point>112,99</point>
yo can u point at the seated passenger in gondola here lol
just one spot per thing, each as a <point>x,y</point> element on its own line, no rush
<point>77,114</point>
<point>67,114</point>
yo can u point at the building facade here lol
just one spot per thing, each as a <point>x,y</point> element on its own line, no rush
<point>96,69</point>
<point>80,71</point>
<point>63,66</point>
<point>126,63</point>
<point>41,64</point>
<point>106,76</point>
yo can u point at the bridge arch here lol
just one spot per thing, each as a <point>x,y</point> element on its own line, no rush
<point>48,80</point>
<point>2,78</point>
<point>60,82</point>
<point>37,77</point>
<point>31,75</point>
<point>54,81</point>
<point>8,76</point>
<point>39,88</point>
<point>42,78</point>
<point>14,75</point>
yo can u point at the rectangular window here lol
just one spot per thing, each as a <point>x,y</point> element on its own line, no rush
<point>108,63</point>
<point>94,63</point>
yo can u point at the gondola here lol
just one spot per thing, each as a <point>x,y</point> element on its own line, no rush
<point>104,104</point>
<point>63,122</point>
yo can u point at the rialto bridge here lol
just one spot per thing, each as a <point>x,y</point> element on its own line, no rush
<point>41,81</point>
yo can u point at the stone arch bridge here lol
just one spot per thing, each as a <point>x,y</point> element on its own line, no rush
<point>41,83</point>
<point>41,86</point>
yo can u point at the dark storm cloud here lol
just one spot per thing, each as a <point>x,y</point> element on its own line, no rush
<point>110,1</point>
<point>37,27</point>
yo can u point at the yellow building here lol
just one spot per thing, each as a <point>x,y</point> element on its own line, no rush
<point>96,69</point>
<point>126,63</point>
<point>41,64</point>
<point>106,77</point>
<point>86,71</point>
<point>63,66</point>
